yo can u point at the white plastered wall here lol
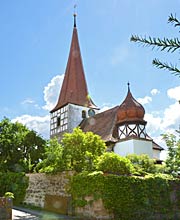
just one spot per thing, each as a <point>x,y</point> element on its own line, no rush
<point>156,154</point>
<point>75,115</point>
<point>134,146</point>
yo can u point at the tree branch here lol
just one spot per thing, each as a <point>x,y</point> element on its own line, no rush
<point>171,45</point>
<point>172,19</point>
<point>166,66</point>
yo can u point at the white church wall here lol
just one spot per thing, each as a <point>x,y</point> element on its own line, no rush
<point>75,115</point>
<point>124,148</point>
<point>134,146</point>
<point>156,154</point>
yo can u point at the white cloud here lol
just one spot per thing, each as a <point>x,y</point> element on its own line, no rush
<point>174,93</point>
<point>172,116</point>
<point>153,123</point>
<point>28,101</point>
<point>105,107</point>
<point>51,92</point>
<point>145,100</point>
<point>37,123</point>
<point>155,91</point>
<point>41,124</point>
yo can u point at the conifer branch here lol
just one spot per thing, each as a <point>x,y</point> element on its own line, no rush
<point>172,19</point>
<point>166,66</point>
<point>171,45</point>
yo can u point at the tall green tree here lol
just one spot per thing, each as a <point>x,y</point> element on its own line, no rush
<point>165,44</point>
<point>33,148</point>
<point>81,150</point>
<point>53,158</point>
<point>173,158</point>
<point>20,148</point>
<point>77,151</point>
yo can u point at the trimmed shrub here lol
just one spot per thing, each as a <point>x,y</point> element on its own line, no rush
<point>110,162</point>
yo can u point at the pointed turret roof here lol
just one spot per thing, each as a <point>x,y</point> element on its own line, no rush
<point>74,88</point>
<point>130,109</point>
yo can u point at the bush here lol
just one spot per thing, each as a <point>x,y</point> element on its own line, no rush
<point>110,162</point>
<point>142,164</point>
<point>15,183</point>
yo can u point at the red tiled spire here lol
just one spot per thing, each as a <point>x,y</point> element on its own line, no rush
<point>74,88</point>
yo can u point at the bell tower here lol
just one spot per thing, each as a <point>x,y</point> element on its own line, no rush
<point>74,103</point>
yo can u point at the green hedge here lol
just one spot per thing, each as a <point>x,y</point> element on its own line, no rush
<point>128,198</point>
<point>15,183</point>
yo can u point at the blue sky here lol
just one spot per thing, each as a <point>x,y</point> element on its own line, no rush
<point>35,39</point>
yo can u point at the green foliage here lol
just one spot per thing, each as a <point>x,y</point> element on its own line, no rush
<point>81,150</point>
<point>33,150</point>
<point>170,45</point>
<point>16,183</point>
<point>77,151</point>
<point>9,195</point>
<point>53,161</point>
<point>173,159</point>
<point>86,184</point>
<point>20,148</point>
<point>142,163</point>
<point>127,197</point>
<point>110,162</point>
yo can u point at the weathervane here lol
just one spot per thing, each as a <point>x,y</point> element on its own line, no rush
<point>75,15</point>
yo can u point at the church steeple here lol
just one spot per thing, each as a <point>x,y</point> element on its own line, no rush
<point>74,88</point>
<point>74,103</point>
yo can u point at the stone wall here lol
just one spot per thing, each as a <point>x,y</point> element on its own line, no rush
<point>96,210</point>
<point>5,208</point>
<point>49,192</point>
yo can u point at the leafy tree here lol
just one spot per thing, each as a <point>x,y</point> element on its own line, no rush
<point>20,148</point>
<point>170,45</point>
<point>33,149</point>
<point>142,163</point>
<point>53,161</point>
<point>173,159</point>
<point>81,150</point>
<point>110,162</point>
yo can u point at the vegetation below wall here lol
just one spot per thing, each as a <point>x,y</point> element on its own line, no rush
<point>128,197</point>
<point>15,183</point>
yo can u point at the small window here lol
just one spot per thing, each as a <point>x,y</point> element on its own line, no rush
<point>83,114</point>
<point>58,121</point>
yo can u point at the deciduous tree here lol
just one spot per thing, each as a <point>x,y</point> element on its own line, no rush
<point>20,148</point>
<point>81,150</point>
<point>173,158</point>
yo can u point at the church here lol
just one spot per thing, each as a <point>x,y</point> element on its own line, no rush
<point>122,127</point>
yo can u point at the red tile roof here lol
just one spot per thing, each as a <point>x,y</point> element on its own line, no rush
<point>74,88</point>
<point>103,124</point>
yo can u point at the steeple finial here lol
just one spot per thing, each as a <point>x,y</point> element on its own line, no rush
<point>128,86</point>
<point>75,15</point>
